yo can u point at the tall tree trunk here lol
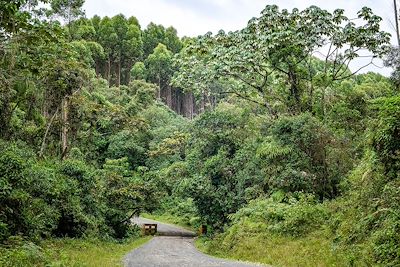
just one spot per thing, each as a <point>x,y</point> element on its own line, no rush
<point>43,146</point>
<point>128,74</point>
<point>202,103</point>
<point>169,97</point>
<point>294,91</point>
<point>119,73</point>
<point>159,88</point>
<point>178,101</point>
<point>396,14</point>
<point>64,127</point>
<point>97,68</point>
<point>187,105</point>
<point>108,71</point>
<point>192,106</point>
<point>323,107</point>
<point>5,119</point>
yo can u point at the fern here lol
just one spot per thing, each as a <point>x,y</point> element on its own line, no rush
<point>271,149</point>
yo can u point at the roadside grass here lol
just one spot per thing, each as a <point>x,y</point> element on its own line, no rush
<point>312,250</point>
<point>69,252</point>
<point>95,253</point>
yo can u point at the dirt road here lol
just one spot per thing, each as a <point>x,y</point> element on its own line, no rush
<point>174,248</point>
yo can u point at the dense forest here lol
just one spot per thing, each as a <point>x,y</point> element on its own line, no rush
<point>264,134</point>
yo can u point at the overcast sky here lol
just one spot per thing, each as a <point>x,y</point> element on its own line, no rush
<point>197,17</point>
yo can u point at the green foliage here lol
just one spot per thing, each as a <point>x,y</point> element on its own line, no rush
<point>23,210</point>
<point>272,61</point>
<point>296,159</point>
<point>118,46</point>
<point>217,184</point>
<point>26,54</point>
<point>385,134</point>
<point>283,230</point>
<point>392,60</point>
<point>235,160</point>
<point>13,17</point>
<point>43,199</point>
<point>126,195</point>
<point>109,122</point>
<point>169,133</point>
<point>67,9</point>
<point>368,217</point>
<point>156,34</point>
<point>159,66</point>
<point>125,144</point>
<point>179,211</point>
<point>138,71</point>
<point>296,216</point>
<point>27,254</point>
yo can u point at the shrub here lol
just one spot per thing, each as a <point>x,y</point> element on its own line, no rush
<point>126,195</point>
<point>26,254</point>
<point>386,134</point>
<point>44,198</point>
<point>25,209</point>
<point>291,217</point>
<point>368,222</point>
<point>296,157</point>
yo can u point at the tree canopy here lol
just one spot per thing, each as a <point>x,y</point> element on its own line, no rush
<point>278,58</point>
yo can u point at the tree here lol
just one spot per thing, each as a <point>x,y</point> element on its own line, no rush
<point>159,68</point>
<point>82,29</point>
<point>132,49</point>
<point>12,17</point>
<point>396,20</point>
<point>138,71</point>
<point>273,60</point>
<point>221,168</point>
<point>385,138</point>
<point>121,40</point>
<point>107,38</point>
<point>172,41</point>
<point>127,195</point>
<point>393,60</point>
<point>64,78</point>
<point>155,34</point>
<point>68,10</point>
<point>27,46</point>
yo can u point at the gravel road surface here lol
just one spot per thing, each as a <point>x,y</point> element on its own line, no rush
<point>174,248</point>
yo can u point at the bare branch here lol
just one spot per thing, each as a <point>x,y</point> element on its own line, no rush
<point>354,73</point>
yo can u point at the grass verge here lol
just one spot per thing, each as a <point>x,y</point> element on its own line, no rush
<point>313,250</point>
<point>69,252</point>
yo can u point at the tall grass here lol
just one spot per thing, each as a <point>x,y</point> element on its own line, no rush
<point>313,250</point>
<point>69,253</point>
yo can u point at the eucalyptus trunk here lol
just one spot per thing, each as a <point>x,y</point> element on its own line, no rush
<point>119,73</point>
<point>64,127</point>
<point>396,19</point>
<point>108,70</point>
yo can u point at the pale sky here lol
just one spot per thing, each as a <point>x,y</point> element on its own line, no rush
<point>197,17</point>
